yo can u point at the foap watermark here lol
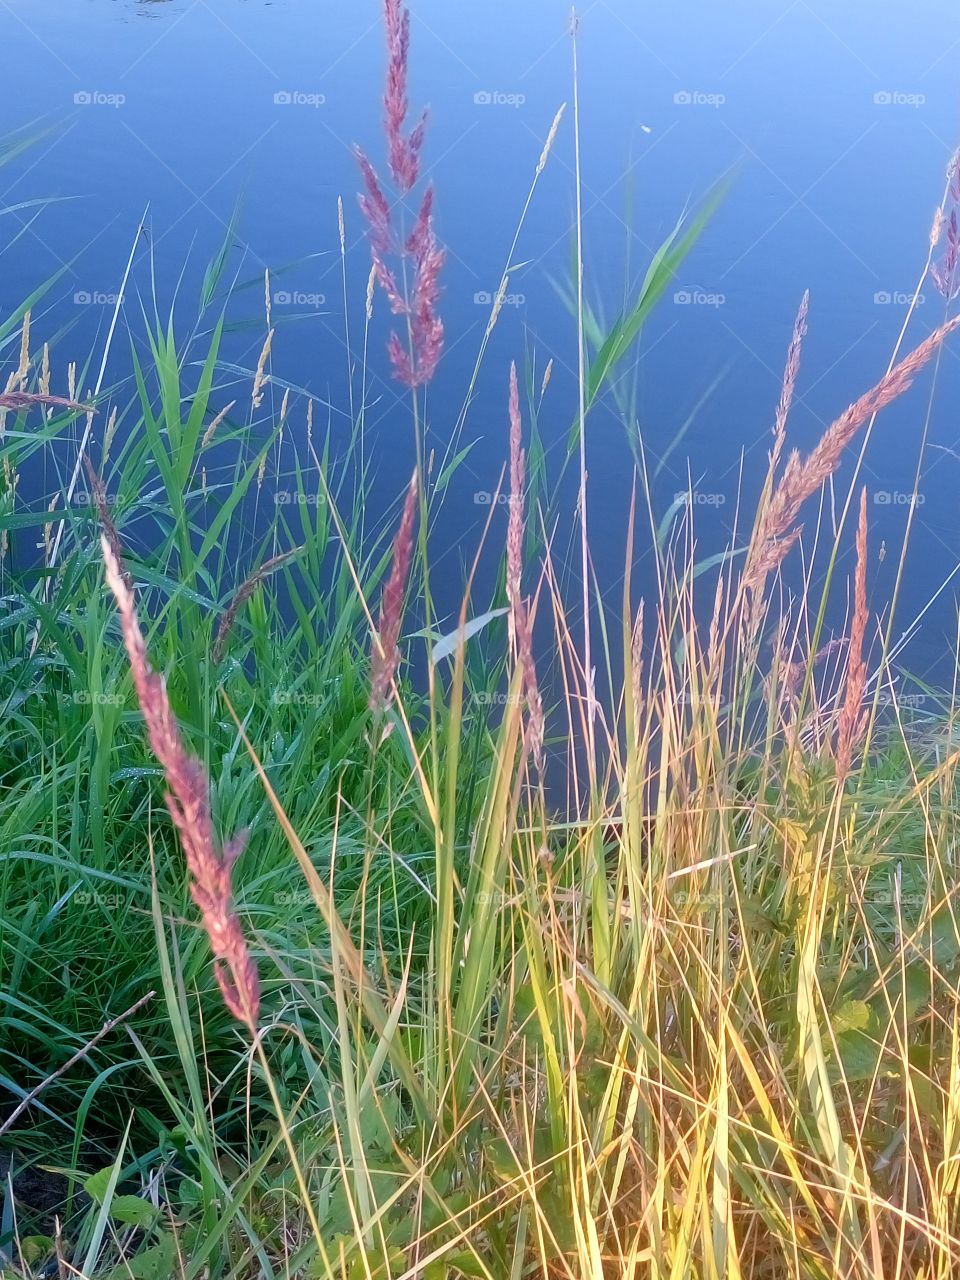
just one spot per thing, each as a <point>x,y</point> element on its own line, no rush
<point>491,898</point>
<point>95,898</point>
<point>698,298</point>
<point>697,98</point>
<point>298,98</point>
<point>88,698</point>
<point>702,900</point>
<point>483,498</point>
<point>898,498</point>
<point>96,298</point>
<point>486,698</point>
<point>293,898</point>
<point>897,98</point>
<point>907,701</point>
<point>295,498</point>
<point>298,298</point>
<point>83,499</point>
<point>699,498</point>
<point>296,698</point>
<point>484,299</point>
<point>891,898</point>
<point>97,98</point>
<point>898,298</point>
<point>497,98</point>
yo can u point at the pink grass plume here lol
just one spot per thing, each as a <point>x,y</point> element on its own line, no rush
<point>386,654</point>
<point>414,359</point>
<point>188,800</point>
<point>404,150</point>
<point>777,529</point>
<point>852,720</point>
<point>521,627</point>
<point>25,399</point>
<point>944,271</point>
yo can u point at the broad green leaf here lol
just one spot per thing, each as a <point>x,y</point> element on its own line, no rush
<point>133,1210</point>
<point>662,270</point>
<point>447,646</point>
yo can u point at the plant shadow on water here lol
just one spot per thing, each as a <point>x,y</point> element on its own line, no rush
<point>557,935</point>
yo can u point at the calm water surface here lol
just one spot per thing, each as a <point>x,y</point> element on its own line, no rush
<point>837,121</point>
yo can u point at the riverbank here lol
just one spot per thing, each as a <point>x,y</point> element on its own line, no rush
<point>703,1010</point>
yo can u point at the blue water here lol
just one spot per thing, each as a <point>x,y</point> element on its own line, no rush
<point>835,122</point>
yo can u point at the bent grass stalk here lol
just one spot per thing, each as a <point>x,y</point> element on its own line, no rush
<point>933,238</point>
<point>188,800</point>
<point>502,287</point>
<point>777,530</point>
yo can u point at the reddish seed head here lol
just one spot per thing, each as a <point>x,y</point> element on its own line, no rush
<point>24,399</point>
<point>944,272</point>
<point>386,655</point>
<point>521,630</point>
<point>404,152</point>
<point>374,207</point>
<point>414,361</point>
<point>777,529</point>
<point>188,800</point>
<point>515,522</point>
<point>420,239</point>
<point>852,719</point>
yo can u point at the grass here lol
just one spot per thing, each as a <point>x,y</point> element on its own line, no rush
<point>687,1005</point>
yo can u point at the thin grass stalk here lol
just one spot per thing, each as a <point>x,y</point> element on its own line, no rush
<point>444,1052</point>
<point>852,718</point>
<point>456,434</point>
<point>240,598</point>
<point>582,411</point>
<point>85,438</point>
<point>341,227</point>
<point>888,632</point>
